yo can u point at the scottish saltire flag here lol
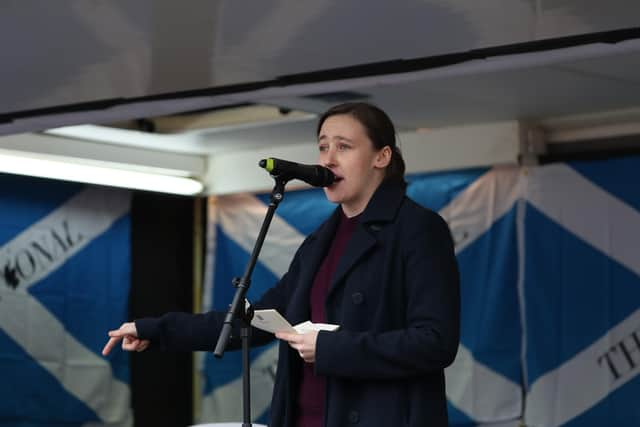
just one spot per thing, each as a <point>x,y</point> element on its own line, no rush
<point>64,281</point>
<point>549,265</point>
<point>484,382</point>
<point>581,289</point>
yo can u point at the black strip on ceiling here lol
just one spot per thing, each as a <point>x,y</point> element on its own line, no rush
<point>364,70</point>
<point>592,149</point>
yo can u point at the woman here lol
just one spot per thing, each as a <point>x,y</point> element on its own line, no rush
<point>381,267</point>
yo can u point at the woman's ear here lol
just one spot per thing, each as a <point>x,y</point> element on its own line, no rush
<point>383,157</point>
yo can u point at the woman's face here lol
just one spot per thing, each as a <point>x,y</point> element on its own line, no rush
<point>345,148</point>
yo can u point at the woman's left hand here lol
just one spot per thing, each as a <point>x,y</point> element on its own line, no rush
<point>304,344</point>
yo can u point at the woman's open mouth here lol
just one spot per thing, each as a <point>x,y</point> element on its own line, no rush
<point>336,180</point>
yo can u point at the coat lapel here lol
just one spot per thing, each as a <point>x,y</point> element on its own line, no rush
<point>381,209</point>
<point>360,243</point>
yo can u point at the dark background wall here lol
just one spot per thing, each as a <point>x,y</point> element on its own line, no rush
<point>162,230</point>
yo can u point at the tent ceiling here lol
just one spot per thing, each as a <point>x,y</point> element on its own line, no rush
<point>78,51</point>
<point>532,87</point>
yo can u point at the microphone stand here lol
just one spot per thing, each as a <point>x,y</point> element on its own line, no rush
<point>238,309</point>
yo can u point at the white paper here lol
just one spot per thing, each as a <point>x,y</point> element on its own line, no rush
<point>308,326</point>
<point>272,321</point>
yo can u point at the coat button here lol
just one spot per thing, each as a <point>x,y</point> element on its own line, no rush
<point>357,298</point>
<point>375,227</point>
<point>354,417</point>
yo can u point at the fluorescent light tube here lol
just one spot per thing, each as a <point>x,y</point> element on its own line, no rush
<point>42,167</point>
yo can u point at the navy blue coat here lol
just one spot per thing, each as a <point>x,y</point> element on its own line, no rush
<point>395,295</point>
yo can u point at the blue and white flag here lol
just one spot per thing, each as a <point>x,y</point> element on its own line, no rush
<point>582,294</point>
<point>64,281</point>
<point>484,382</point>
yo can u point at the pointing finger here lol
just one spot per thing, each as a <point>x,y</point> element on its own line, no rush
<point>109,346</point>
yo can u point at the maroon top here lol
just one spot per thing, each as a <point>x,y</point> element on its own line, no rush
<point>312,387</point>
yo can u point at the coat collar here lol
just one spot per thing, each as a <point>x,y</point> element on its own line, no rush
<point>384,203</point>
<point>382,208</point>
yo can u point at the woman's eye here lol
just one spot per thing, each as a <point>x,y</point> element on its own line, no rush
<point>343,147</point>
<point>323,147</point>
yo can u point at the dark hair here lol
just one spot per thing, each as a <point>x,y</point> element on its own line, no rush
<point>380,131</point>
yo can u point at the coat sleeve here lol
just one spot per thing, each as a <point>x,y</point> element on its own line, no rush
<point>429,341</point>
<point>199,332</point>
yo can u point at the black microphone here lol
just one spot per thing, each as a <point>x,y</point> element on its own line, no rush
<point>315,175</point>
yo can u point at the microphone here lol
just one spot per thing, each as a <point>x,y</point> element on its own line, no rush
<point>315,175</point>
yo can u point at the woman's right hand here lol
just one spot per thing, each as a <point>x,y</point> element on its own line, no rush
<point>129,336</point>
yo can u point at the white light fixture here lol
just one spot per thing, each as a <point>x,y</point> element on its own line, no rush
<point>100,173</point>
